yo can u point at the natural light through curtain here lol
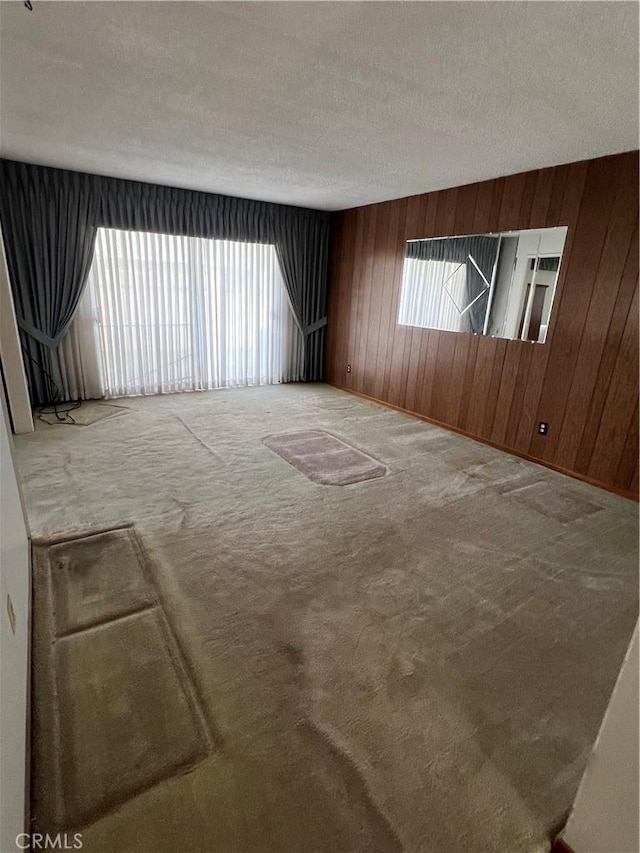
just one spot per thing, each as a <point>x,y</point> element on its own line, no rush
<point>183,314</point>
<point>434,295</point>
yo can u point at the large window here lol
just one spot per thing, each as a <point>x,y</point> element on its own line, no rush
<point>182,313</point>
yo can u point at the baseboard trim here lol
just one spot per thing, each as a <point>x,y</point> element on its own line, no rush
<point>576,476</point>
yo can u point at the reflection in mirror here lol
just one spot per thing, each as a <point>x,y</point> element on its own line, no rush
<point>501,285</point>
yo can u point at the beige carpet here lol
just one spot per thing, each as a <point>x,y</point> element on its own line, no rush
<point>231,657</point>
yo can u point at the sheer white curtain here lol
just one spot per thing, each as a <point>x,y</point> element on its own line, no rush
<point>79,354</point>
<point>183,314</point>
<point>434,295</point>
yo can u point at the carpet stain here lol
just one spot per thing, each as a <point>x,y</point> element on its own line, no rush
<point>293,654</point>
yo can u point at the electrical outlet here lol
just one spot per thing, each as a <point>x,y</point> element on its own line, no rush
<point>348,368</point>
<point>543,428</point>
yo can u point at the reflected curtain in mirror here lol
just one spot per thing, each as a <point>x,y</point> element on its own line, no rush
<point>447,282</point>
<point>431,295</point>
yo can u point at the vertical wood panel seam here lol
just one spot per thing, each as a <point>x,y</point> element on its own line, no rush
<point>619,189</point>
<point>614,360</point>
<point>567,267</point>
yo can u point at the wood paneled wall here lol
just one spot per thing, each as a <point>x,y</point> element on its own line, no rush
<point>583,380</point>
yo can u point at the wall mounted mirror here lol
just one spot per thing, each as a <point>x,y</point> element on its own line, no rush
<point>501,285</point>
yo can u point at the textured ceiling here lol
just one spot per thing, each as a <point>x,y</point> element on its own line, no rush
<point>328,105</point>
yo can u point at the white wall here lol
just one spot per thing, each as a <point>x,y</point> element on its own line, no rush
<point>14,585</point>
<point>605,814</point>
<point>11,355</point>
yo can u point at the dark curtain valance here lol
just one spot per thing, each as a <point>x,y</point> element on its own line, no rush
<point>483,249</point>
<point>135,206</point>
<point>49,219</point>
